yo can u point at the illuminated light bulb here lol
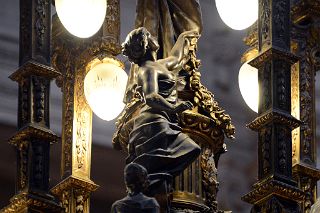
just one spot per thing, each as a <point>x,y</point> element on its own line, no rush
<point>82,18</point>
<point>104,88</point>
<point>238,14</point>
<point>249,87</point>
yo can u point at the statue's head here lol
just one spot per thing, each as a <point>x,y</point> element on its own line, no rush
<point>140,46</point>
<point>136,178</point>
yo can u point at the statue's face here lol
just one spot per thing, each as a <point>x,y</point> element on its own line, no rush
<point>130,177</point>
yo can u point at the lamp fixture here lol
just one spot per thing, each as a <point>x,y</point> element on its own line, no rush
<point>104,87</point>
<point>82,18</point>
<point>249,87</point>
<point>238,15</point>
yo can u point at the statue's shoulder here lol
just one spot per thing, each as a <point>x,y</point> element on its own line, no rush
<point>125,205</point>
<point>150,202</point>
<point>136,202</point>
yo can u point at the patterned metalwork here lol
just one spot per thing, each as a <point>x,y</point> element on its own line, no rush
<point>305,44</point>
<point>73,59</point>
<point>33,138</point>
<point>275,191</point>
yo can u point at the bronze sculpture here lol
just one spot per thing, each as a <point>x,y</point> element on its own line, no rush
<point>136,181</point>
<point>155,83</point>
<point>151,125</point>
<point>156,141</point>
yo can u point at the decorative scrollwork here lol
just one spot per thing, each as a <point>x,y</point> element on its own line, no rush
<point>65,201</point>
<point>24,106</point>
<point>276,116</point>
<point>209,178</point>
<point>282,149</point>
<point>271,186</point>
<point>265,21</point>
<point>265,136</point>
<point>40,22</point>
<point>39,87</point>
<point>23,150</point>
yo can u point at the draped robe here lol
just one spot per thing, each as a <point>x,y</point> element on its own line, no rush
<point>167,19</point>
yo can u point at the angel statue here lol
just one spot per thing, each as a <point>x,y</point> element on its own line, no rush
<point>156,142</point>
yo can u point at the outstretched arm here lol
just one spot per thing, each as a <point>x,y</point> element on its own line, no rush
<point>179,53</point>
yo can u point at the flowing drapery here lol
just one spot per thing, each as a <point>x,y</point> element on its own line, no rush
<point>167,19</point>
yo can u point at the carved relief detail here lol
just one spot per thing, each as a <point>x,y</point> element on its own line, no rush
<point>275,116</point>
<point>306,43</point>
<point>280,23</point>
<point>39,90</point>
<point>83,115</point>
<point>265,139</point>
<point>266,83</point>
<point>25,26</point>
<point>307,106</point>
<point>24,104</point>
<point>112,21</point>
<point>282,149</point>
<point>308,186</point>
<point>40,22</point>
<point>265,22</point>
<point>209,178</point>
<point>79,203</point>
<point>23,149</point>
<point>65,201</point>
<point>67,117</point>
<point>271,186</point>
<point>39,173</point>
<point>281,85</point>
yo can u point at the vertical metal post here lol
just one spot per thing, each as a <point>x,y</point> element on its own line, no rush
<point>305,44</point>
<point>73,57</point>
<point>33,139</point>
<point>275,191</point>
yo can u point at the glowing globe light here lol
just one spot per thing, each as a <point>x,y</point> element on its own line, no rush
<point>238,14</point>
<point>104,88</point>
<point>82,18</point>
<point>249,87</point>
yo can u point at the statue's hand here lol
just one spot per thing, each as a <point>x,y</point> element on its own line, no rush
<point>189,34</point>
<point>182,106</point>
<point>189,39</point>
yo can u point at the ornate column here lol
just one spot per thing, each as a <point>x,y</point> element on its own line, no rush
<point>74,57</point>
<point>33,139</point>
<point>305,44</point>
<point>275,190</point>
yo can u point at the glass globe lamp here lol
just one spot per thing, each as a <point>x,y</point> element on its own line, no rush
<point>238,14</point>
<point>249,86</point>
<point>82,18</point>
<point>104,88</point>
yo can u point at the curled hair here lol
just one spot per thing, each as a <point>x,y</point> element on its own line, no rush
<point>136,44</point>
<point>138,177</point>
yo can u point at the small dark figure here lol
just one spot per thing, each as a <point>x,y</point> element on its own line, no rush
<point>136,180</point>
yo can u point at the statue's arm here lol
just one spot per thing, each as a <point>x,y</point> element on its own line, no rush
<point>179,54</point>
